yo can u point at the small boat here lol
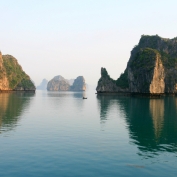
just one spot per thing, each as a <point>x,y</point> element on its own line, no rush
<point>84,98</point>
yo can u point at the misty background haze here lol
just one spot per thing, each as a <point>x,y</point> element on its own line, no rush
<point>78,37</point>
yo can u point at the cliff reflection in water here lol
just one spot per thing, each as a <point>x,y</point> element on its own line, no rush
<point>11,107</point>
<point>152,123</point>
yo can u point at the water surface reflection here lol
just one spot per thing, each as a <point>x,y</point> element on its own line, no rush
<point>11,107</point>
<point>66,99</point>
<point>152,123</point>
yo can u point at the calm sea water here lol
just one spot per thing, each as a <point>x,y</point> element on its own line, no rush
<point>60,134</point>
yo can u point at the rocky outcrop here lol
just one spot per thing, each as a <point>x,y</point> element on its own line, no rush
<point>43,85</point>
<point>106,84</point>
<point>149,77</point>
<point>59,83</point>
<point>79,84</point>
<point>151,69</point>
<point>12,76</point>
<point>152,66</point>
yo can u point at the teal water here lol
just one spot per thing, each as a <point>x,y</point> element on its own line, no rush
<point>60,134</point>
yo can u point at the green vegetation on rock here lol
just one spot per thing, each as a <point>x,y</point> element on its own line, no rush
<point>168,61</point>
<point>144,59</point>
<point>105,75</point>
<point>151,69</point>
<point>122,81</point>
<point>16,76</point>
<point>167,48</point>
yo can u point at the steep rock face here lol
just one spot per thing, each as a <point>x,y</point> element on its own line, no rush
<point>4,83</point>
<point>79,84</point>
<point>1,61</point>
<point>157,84</point>
<point>146,72</point>
<point>43,85</point>
<point>152,68</point>
<point>171,80</point>
<point>12,76</point>
<point>106,84</point>
<point>58,83</point>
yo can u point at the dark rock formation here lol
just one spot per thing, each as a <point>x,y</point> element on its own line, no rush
<point>151,69</point>
<point>106,84</point>
<point>43,85</point>
<point>12,76</point>
<point>59,83</point>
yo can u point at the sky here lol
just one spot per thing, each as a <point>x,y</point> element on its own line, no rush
<point>77,37</point>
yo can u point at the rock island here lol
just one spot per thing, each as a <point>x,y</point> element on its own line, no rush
<point>59,83</point>
<point>12,76</point>
<point>151,69</point>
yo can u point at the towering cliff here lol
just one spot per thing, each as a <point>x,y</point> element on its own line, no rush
<point>12,76</point>
<point>152,68</point>
<point>59,83</point>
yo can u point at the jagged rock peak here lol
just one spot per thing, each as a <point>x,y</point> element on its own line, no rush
<point>104,72</point>
<point>107,84</point>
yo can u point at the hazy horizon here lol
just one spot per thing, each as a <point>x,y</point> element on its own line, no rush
<point>77,38</point>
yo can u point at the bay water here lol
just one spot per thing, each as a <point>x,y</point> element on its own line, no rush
<point>46,134</point>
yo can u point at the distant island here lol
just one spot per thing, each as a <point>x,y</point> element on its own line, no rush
<point>12,76</point>
<point>59,83</point>
<point>43,85</point>
<point>151,69</point>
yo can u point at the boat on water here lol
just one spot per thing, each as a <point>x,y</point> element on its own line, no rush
<point>84,98</point>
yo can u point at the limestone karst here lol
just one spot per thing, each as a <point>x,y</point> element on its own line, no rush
<point>152,69</point>
<point>79,84</point>
<point>12,76</point>
<point>59,83</point>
